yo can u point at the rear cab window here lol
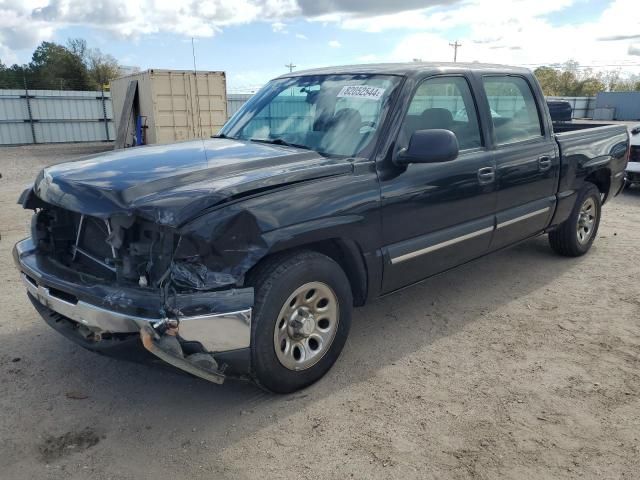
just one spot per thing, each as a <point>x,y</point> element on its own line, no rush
<point>514,111</point>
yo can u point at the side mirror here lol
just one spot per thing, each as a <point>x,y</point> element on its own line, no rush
<point>429,146</point>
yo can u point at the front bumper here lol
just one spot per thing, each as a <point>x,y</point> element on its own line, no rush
<point>632,173</point>
<point>211,336</point>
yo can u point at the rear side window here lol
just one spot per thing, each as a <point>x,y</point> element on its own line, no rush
<point>446,103</point>
<point>513,109</point>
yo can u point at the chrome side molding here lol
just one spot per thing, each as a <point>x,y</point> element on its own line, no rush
<point>522,217</point>
<point>468,236</point>
<point>438,246</point>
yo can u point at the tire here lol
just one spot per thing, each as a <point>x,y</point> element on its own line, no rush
<point>567,239</point>
<point>279,323</point>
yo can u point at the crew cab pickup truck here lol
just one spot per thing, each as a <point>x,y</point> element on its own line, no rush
<point>244,254</point>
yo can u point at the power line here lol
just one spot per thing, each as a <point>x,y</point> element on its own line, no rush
<point>562,64</point>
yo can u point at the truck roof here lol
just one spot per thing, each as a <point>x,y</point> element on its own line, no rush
<point>411,68</point>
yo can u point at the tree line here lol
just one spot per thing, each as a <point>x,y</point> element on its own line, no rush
<point>73,66</point>
<point>571,80</point>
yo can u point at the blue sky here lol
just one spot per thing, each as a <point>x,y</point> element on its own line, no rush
<point>252,40</point>
<point>245,52</point>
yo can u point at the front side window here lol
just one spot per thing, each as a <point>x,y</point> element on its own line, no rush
<point>331,114</point>
<point>513,109</point>
<point>443,103</point>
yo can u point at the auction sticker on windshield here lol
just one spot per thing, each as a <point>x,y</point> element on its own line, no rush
<point>361,91</point>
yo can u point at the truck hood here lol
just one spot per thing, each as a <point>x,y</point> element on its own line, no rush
<point>170,184</point>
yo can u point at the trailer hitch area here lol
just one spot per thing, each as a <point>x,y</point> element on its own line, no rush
<point>161,340</point>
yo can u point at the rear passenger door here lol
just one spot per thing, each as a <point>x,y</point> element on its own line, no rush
<point>439,215</point>
<point>527,159</point>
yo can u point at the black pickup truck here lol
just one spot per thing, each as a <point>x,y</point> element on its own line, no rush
<point>243,255</point>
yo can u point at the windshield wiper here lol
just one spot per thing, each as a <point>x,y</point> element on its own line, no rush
<point>222,135</point>
<point>279,141</point>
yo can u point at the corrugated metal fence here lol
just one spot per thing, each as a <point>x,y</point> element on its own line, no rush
<point>51,116</point>
<point>583,107</point>
<point>235,101</point>
<point>626,104</point>
<point>48,116</point>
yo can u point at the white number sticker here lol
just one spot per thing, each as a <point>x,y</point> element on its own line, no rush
<point>361,91</point>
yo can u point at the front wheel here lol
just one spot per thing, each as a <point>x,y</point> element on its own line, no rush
<point>575,236</point>
<point>302,316</point>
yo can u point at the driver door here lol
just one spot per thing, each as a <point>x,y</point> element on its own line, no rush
<point>439,215</point>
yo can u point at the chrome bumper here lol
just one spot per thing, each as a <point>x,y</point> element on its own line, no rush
<point>216,333</point>
<point>220,334</point>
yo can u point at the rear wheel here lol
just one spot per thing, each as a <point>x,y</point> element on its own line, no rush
<point>302,316</point>
<point>576,235</point>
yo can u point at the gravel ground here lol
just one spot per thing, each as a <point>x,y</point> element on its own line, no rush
<point>519,365</point>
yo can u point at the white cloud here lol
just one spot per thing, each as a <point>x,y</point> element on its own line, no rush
<point>520,34</point>
<point>314,8</point>
<point>465,14</point>
<point>24,23</point>
<point>517,32</point>
<point>302,36</point>
<point>279,27</point>
<point>17,30</point>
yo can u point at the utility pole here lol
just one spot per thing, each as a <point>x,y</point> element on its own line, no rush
<point>455,46</point>
<point>290,66</point>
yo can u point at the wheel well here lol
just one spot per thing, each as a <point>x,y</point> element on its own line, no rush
<point>602,179</point>
<point>345,253</point>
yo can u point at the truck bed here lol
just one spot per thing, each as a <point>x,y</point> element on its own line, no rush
<point>565,127</point>
<point>585,147</point>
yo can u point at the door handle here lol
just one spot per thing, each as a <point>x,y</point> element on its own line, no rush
<point>544,163</point>
<point>486,175</point>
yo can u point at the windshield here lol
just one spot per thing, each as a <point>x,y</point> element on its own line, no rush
<point>331,114</point>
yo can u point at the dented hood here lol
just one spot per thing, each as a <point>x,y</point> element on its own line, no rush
<point>170,184</point>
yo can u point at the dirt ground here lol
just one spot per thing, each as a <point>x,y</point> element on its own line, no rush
<point>520,365</point>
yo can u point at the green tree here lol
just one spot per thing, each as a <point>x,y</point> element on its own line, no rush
<point>610,79</point>
<point>572,80</point>
<point>549,81</point>
<point>78,46</point>
<point>12,77</point>
<point>590,87</point>
<point>3,75</point>
<point>631,84</point>
<point>55,66</point>
<point>102,68</point>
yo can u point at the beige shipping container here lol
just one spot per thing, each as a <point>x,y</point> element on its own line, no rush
<point>178,104</point>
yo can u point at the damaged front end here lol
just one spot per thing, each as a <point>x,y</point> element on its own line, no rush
<point>177,291</point>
